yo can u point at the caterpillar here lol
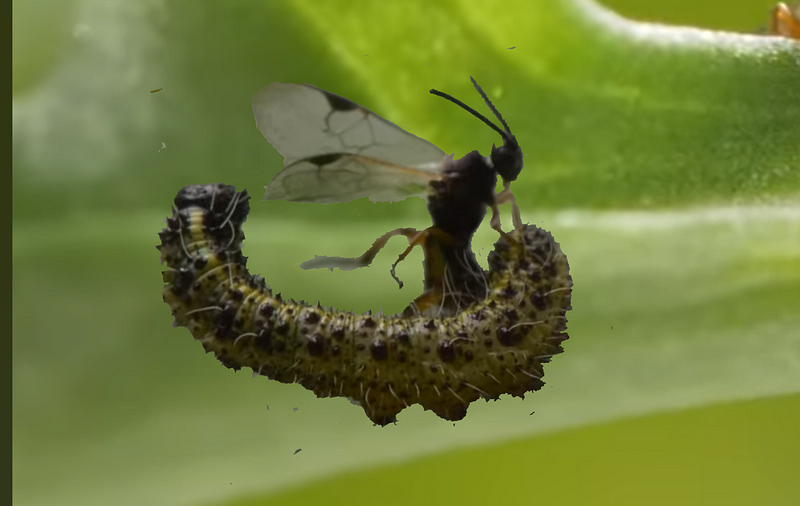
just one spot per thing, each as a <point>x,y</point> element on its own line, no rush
<point>496,344</point>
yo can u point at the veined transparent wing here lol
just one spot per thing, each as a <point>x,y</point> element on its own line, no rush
<point>335,150</point>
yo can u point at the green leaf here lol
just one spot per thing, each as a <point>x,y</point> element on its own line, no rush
<point>651,460</point>
<point>610,112</point>
<point>664,160</point>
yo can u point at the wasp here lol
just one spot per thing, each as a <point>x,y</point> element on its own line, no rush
<point>336,151</point>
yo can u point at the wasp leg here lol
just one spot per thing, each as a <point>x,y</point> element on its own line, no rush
<point>501,198</point>
<point>507,196</point>
<point>428,300</point>
<point>495,221</point>
<point>348,264</point>
<point>413,240</point>
<point>430,239</point>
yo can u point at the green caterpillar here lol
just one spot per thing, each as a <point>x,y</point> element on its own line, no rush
<point>496,345</point>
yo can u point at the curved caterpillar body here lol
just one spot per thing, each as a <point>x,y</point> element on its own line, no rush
<point>494,346</point>
<point>336,150</point>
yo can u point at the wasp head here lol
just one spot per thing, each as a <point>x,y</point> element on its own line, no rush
<point>507,159</point>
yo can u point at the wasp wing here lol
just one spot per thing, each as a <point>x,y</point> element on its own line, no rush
<point>335,150</point>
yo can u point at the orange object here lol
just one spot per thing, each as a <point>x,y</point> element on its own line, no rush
<point>786,20</point>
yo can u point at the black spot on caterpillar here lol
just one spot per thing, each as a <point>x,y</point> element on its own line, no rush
<point>496,345</point>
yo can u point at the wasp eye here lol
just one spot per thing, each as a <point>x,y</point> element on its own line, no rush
<point>507,160</point>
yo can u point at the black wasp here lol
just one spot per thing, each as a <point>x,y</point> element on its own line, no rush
<point>336,151</point>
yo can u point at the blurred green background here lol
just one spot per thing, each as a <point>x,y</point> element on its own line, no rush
<point>665,161</point>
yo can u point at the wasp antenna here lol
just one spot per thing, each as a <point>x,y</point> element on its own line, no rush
<point>490,105</point>
<point>505,134</point>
